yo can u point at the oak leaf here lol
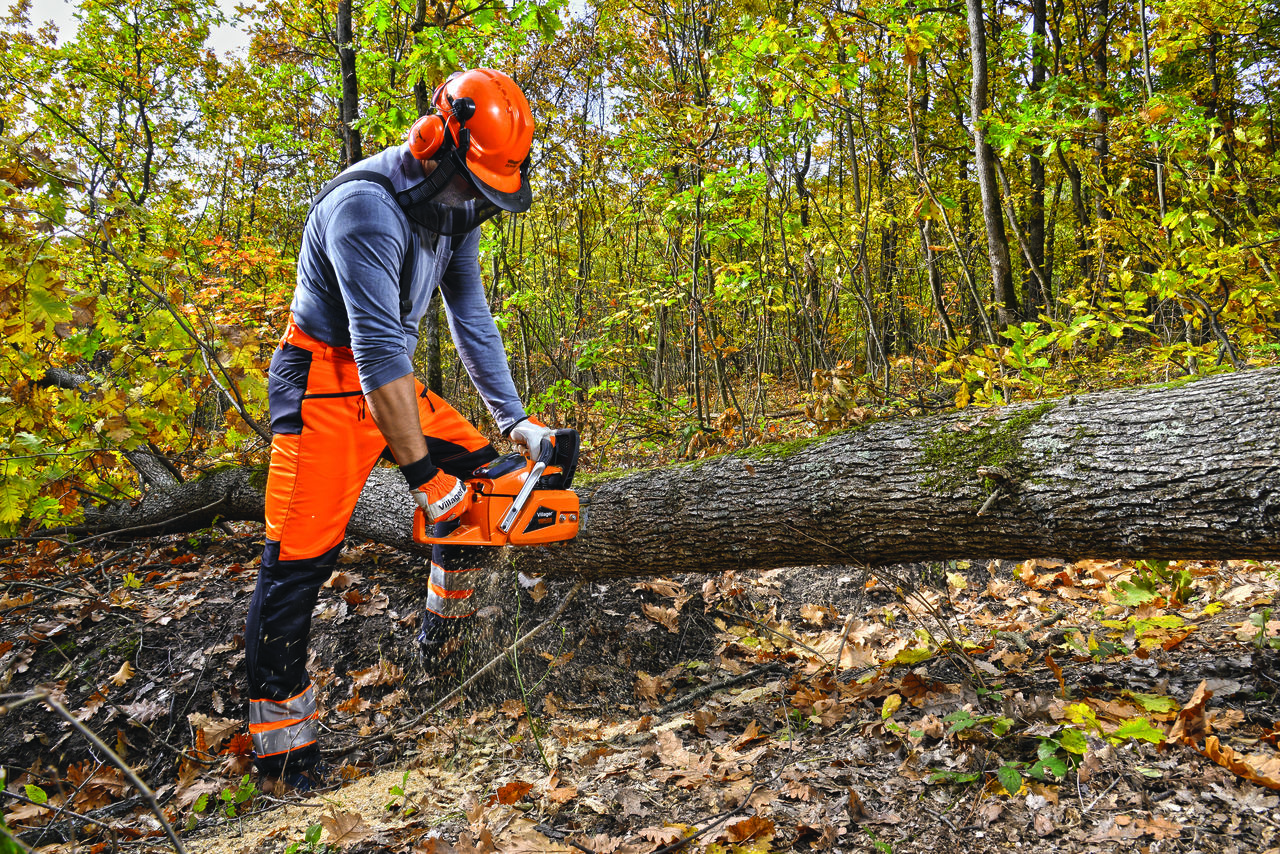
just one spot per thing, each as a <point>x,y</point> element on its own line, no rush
<point>216,731</point>
<point>562,794</point>
<point>513,791</point>
<point>814,615</point>
<point>123,675</point>
<point>344,828</point>
<point>754,828</point>
<point>382,673</point>
<point>650,687</point>
<point>669,618</point>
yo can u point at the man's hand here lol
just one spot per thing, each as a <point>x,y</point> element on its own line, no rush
<point>531,437</point>
<point>443,498</point>
<point>440,495</point>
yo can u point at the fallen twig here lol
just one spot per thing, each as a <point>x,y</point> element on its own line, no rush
<point>147,795</point>
<point>706,690</point>
<point>788,638</point>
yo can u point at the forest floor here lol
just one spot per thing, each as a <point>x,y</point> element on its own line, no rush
<point>1089,706</point>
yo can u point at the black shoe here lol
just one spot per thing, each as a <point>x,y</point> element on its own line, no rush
<point>306,780</point>
<point>436,632</point>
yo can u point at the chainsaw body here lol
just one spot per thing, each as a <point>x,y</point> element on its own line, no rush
<point>516,501</point>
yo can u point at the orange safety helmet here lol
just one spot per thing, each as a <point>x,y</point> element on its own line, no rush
<point>483,116</point>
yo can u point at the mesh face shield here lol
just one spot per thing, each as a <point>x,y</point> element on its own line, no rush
<point>420,205</point>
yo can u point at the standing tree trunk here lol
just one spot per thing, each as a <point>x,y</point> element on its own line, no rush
<point>984,160</point>
<point>1035,219</point>
<point>1101,147</point>
<point>349,107</point>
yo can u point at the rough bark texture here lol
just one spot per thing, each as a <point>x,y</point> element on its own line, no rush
<point>349,107</point>
<point>984,164</point>
<point>1187,472</point>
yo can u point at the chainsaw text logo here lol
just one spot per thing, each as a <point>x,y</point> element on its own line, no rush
<point>543,517</point>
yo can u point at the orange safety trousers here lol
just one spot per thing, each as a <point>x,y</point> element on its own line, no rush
<point>324,445</point>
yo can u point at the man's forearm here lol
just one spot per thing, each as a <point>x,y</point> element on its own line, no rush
<point>394,408</point>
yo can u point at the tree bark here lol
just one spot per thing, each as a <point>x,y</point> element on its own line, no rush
<point>1189,473</point>
<point>350,106</point>
<point>984,161</point>
<point>1036,295</point>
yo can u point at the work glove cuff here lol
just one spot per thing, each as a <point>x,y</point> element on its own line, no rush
<point>532,419</point>
<point>416,474</point>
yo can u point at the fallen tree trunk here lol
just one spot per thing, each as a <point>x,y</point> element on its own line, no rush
<point>1186,472</point>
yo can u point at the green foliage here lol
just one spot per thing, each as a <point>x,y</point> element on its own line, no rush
<point>235,797</point>
<point>753,223</point>
<point>310,843</point>
<point>400,791</point>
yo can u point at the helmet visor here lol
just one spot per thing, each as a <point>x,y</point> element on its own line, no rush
<point>518,201</point>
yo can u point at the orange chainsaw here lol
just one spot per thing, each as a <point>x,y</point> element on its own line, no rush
<point>516,501</point>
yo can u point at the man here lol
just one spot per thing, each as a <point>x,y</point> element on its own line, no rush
<point>377,242</point>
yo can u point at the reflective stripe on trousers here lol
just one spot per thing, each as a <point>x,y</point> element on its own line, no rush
<point>278,727</point>
<point>449,591</point>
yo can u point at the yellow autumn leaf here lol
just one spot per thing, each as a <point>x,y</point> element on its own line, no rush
<point>123,675</point>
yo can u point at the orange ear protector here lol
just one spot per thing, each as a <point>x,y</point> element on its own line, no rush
<point>426,136</point>
<point>428,133</point>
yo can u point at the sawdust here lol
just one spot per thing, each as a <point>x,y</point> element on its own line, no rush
<point>440,792</point>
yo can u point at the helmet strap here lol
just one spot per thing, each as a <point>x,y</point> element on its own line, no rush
<point>418,202</point>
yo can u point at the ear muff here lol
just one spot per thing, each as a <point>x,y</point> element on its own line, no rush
<point>426,136</point>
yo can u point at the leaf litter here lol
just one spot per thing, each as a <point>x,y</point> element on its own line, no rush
<point>1094,705</point>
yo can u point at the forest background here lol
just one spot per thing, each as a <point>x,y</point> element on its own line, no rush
<point>753,220</point>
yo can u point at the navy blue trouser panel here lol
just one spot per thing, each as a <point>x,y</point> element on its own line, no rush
<point>279,622</point>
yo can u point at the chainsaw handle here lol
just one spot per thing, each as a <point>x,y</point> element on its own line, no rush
<point>420,533</point>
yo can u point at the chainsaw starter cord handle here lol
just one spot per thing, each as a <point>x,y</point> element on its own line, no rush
<point>416,474</point>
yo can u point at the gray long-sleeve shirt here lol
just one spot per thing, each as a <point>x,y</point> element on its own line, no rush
<point>348,291</point>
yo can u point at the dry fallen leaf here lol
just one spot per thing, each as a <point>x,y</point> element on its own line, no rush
<point>215,731</point>
<point>344,828</point>
<point>666,617</point>
<point>513,791</point>
<point>1256,767</point>
<point>123,675</point>
<point>661,835</point>
<point>650,687</point>
<point>341,580</point>
<point>814,615</point>
<point>383,673</point>
<point>1191,723</point>
<point>562,795</point>
<point>754,828</point>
